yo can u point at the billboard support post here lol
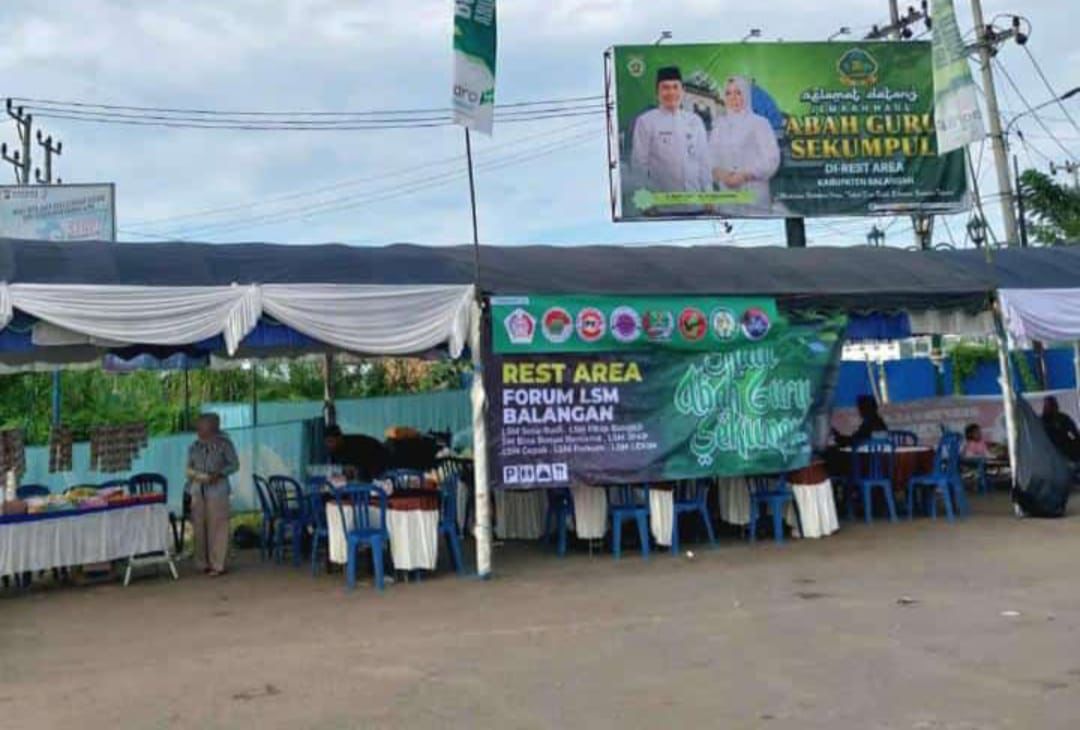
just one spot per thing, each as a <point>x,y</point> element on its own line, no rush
<point>795,230</point>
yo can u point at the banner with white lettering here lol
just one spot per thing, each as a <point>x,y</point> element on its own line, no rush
<point>474,64</point>
<point>605,390</point>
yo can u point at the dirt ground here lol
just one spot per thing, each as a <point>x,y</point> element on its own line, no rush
<point>888,626</point>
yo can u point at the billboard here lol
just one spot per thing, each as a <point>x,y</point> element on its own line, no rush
<point>603,390</point>
<point>757,130</point>
<point>58,212</point>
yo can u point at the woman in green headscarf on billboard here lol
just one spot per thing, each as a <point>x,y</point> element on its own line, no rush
<point>743,151</point>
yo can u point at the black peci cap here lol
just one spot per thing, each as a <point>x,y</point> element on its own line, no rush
<point>668,73</point>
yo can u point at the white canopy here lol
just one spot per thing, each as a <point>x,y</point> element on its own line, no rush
<point>1047,315</point>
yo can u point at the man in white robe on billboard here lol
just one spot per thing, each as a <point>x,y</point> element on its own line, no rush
<point>670,145</point>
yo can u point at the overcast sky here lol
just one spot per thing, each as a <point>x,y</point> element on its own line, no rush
<point>353,55</point>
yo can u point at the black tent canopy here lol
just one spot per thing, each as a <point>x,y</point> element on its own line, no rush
<point>851,277</point>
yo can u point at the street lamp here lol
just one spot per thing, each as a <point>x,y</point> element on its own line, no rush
<point>754,33</point>
<point>844,30</point>
<point>976,228</point>
<point>665,35</point>
<point>876,237</point>
<point>1064,97</point>
<point>924,229</point>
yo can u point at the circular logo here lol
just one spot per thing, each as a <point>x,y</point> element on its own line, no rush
<point>591,324</point>
<point>755,323</point>
<point>692,324</point>
<point>625,324</point>
<point>724,325</point>
<point>636,66</point>
<point>557,325</point>
<point>658,324</point>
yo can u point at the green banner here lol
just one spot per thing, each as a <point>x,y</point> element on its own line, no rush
<point>474,64</point>
<point>779,130</point>
<point>650,388</point>
<point>956,106</point>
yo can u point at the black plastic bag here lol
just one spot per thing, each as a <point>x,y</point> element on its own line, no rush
<point>1043,474</point>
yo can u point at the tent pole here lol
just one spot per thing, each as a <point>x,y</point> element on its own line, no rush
<point>1076,367</point>
<point>1007,393</point>
<point>482,530</point>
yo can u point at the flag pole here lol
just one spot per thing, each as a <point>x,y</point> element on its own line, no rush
<point>472,203</point>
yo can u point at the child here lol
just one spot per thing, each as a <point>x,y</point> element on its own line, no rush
<point>974,446</point>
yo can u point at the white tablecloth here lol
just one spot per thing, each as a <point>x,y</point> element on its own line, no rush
<point>590,512</point>
<point>661,511</point>
<point>734,501</point>
<point>817,508</point>
<point>414,536</point>
<point>79,539</point>
<point>519,514</point>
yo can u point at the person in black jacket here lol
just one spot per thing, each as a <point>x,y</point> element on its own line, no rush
<point>1061,429</point>
<point>872,423</point>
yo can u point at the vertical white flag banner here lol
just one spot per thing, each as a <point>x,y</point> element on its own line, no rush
<point>474,64</point>
<point>956,107</point>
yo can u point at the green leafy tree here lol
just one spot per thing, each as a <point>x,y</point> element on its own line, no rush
<point>1052,210</point>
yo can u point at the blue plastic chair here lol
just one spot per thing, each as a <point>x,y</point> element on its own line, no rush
<point>903,438</point>
<point>153,483</point>
<point>448,523</point>
<point>872,468</point>
<point>978,465</point>
<point>292,514</point>
<point>942,482</point>
<point>353,502</point>
<point>690,497</point>
<point>462,471</point>
<point>26,491</point>
<point>560,508</point>
<point>148,483</point>
<point>320,532</point>
<point>774,493</point>
<point>269,516</point>
<point>629,503</point>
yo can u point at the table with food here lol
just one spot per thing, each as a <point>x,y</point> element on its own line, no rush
<point>82,526</point>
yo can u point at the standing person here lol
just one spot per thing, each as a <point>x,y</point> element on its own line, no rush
<point>670,146</point>
<point>211,460</point>
<point>743,148</point>
<point>1061,429</point>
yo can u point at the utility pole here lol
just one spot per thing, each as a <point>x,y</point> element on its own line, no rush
<point>20,159</point>
<point>987,49</point>
<point>46,144</point>
<point>899,29</point>
<point>1070,167</point>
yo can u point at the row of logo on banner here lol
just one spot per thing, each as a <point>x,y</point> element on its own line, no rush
<point>627,325</point>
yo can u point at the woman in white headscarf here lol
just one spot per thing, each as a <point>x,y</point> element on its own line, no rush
<point>743,149</point>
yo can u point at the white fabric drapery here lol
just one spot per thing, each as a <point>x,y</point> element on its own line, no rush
<point>1047,315</point>
<point>384,320</point>
<point>369,319</point>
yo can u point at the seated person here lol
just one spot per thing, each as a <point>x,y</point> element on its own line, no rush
<point>1061,429</point>
<point>872,423</point>
<point>362,457</point>
<point>974,447</point>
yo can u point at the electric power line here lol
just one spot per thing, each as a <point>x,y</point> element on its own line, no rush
<point>1050,88</point>
<point>1031,110</point>
<point>348,183</point>
<point>350,202</point>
